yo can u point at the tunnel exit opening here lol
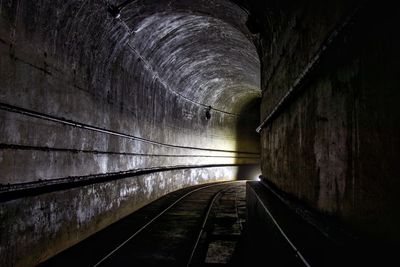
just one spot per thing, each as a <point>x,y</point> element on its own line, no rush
<point>248,139</point>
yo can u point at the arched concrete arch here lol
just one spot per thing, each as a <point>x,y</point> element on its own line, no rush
<point>107,109</point>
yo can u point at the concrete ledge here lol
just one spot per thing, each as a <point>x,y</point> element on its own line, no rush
<point>282,237</point>
<point>34,228</point>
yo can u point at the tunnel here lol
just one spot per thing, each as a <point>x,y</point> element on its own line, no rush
<point>108,107</point>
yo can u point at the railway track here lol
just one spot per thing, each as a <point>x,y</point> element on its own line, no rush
<point>172,231</point>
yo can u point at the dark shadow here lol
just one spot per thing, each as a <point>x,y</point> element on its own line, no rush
<point>248,140</point>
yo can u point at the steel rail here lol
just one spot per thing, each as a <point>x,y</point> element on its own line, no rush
<point>155,218</point>
<point>205,221</point>
<point>296,250</point>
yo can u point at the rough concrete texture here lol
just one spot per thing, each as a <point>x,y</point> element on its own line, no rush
<point>35,228</point>
<point>84,93</point>
<point>336,146</point>
<point>291,34</point>
<point>152,70</point>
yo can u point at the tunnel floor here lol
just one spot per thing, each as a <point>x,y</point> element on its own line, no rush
<point>195,226</point>
<point>220,224</point>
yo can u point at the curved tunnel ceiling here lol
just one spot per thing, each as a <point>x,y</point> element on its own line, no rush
<point>202,52</point>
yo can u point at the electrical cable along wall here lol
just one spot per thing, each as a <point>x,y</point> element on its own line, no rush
<point>329,131</point>
<point>105,110</point>
<point>108,105</point>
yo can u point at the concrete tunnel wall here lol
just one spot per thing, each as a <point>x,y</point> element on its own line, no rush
<point>83,93</point>
<point>96,110</point>
<point>334,144</point>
